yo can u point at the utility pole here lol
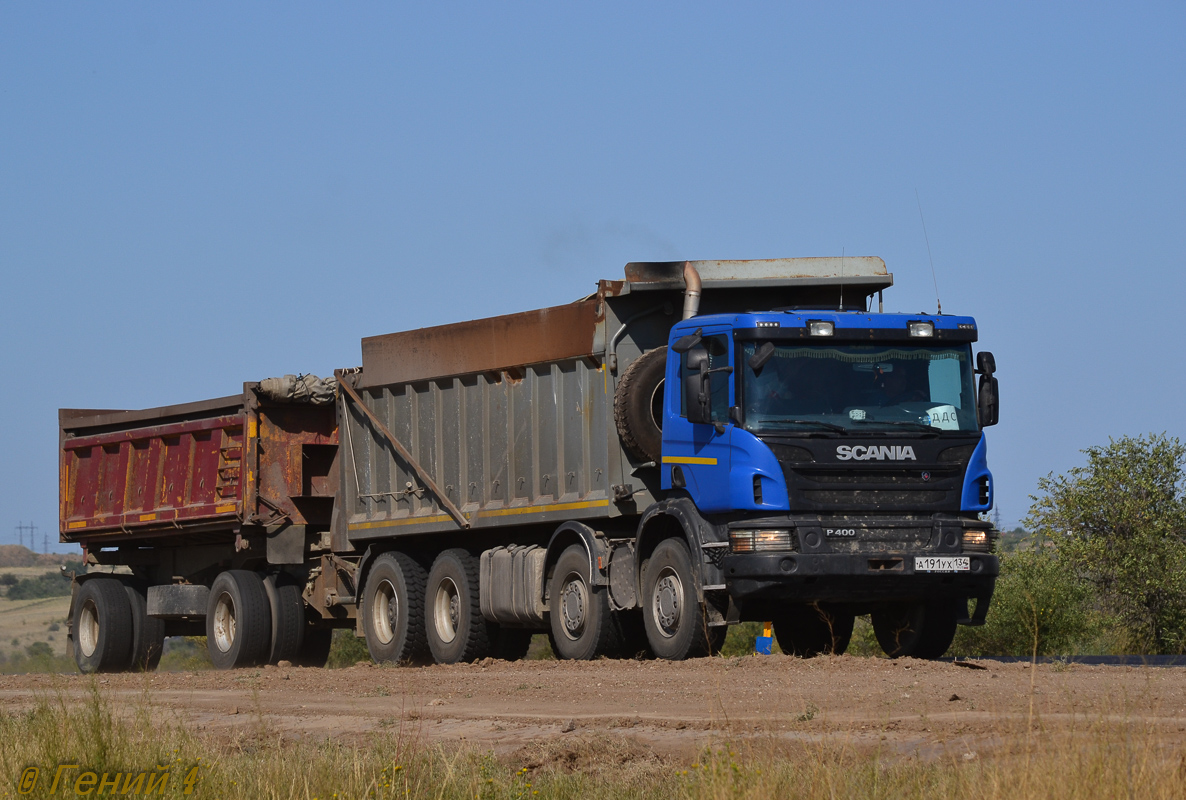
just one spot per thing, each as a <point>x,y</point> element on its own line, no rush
<point>21,528</point>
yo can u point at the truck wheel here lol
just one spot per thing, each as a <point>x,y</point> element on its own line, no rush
<point>315,647</point>
<point>638,405</point>
<point>456,629</point>
<point>102,627</point>
<point>238,620</point>
<point>509,644</point>
<point>675,623</point>
<point>807,631</point>
<point>920,630</point>
<point>288,618</point>
<point>148,633</point>
<point>393,610</point>
<point>583,626</point>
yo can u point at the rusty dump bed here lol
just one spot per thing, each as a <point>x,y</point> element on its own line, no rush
<point>211,468</point>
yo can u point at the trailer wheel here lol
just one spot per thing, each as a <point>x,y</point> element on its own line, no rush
<point>288,618</point>
<point>238,620</point>
<point>101,629</point>
<point>920,630</point>
<point>675,622</point>
<point>393,610</point>
<point>456,629</point>
<point>509,644</point>
<point>583,625</point>
<point>638,405</point>
<point>808,630</point>
<point>148,633</point>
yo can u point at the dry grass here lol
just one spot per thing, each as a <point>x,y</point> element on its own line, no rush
<point>1108,759</point>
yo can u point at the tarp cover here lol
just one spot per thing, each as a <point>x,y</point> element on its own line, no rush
<point>299,389</point>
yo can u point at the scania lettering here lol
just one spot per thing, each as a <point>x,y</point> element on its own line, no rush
<point>693,445</point>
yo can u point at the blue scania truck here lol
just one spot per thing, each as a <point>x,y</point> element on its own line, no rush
<point>696,445</point>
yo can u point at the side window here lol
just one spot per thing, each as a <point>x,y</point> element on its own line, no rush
<point>718,356</point>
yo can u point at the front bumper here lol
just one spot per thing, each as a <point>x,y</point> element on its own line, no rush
<point>851,577</point>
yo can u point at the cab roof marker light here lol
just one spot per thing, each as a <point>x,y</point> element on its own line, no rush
<point>921,328</point>
<point>816,327</point>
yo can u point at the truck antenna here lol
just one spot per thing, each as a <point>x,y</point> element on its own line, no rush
<point>938,305</point>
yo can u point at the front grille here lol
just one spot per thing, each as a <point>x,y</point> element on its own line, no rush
<point>896,477</point>
<point>868,497</point>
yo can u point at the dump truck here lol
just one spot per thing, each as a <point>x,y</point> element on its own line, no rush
<point>698,444</point>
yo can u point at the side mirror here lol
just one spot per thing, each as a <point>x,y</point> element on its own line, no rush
<point>685,343</point>
<point>763,355</point>
<point>985,363</point>
<point>989,400</point>
<point>698,386</point>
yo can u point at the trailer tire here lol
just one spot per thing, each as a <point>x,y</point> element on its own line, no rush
<point>509,644</point>
<point>101,629</point>
<point>638,405</point>
<point>148,633</point>
<point>453,619</point>
<point>238,620</point>
<point>315,647</point>
<point>675,623</point>
<point>583,625</point>
<point>288,618</point>
<point>393,610</point>
<point>808,630</point>
<point>918,630</point>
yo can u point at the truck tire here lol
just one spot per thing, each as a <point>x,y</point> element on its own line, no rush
<point>101,629</point>
<point>918,630</point>
<point>807,630</point>
<point>509,644</point>
<point>675,622</point>
<point>288,618</point>
<point>583,625</point>
<point>238,620</point>
<point>314,648</point>
<point>638,405</point>
<point>393,610</point>
<point>148,633</point>
<point>456,629</point>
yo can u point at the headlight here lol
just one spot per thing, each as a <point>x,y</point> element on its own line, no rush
<point>921,328</point>
<point>820,328</point>
<point>759,541</point>
<point>977,541</point>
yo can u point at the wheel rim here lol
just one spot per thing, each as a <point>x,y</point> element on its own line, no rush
<point>667,602</point>
<point>574,601</point>
<point>224,623</point>
<point>88,628</point>
<point>385,611</point>
<point>447,610</point>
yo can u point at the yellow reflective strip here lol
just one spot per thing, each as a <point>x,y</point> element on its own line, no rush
<point>498,512</point>
<point>688,460</point>
<point>224,509</point>
<point>73,525</point>
<point>147,517</point>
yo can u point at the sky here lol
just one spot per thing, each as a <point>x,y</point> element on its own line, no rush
<point>196,195</point>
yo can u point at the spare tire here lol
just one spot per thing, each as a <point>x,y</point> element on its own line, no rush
<point>638,405</point>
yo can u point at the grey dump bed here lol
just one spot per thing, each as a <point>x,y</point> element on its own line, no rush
<point>509,421</point>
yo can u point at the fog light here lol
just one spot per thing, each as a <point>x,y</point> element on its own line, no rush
<point>976,541</point>
<point>820,328</point>
<point>921,328</point>
<point>759,541</point>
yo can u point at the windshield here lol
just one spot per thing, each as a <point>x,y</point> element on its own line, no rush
<point>858,388</point>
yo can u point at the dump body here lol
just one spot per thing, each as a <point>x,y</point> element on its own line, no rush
<point>512,417</point>
<point>196,468</point>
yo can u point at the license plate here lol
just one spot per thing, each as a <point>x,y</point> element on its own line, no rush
<point>942,564</point>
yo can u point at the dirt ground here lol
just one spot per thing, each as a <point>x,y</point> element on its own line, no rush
<point>906,706</point>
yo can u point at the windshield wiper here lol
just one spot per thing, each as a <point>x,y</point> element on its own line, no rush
<point>901,423</point>
<point>825,425</point>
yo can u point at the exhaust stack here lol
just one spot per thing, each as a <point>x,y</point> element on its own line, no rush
<point>691,291</point>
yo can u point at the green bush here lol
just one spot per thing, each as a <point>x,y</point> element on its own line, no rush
<point>1039,604</point>
<point>50,584</point>
<point>346,650</point>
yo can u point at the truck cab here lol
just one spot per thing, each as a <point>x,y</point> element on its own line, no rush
<point>841,456</point>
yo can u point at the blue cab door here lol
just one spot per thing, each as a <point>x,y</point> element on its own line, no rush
<point>698,454</point>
